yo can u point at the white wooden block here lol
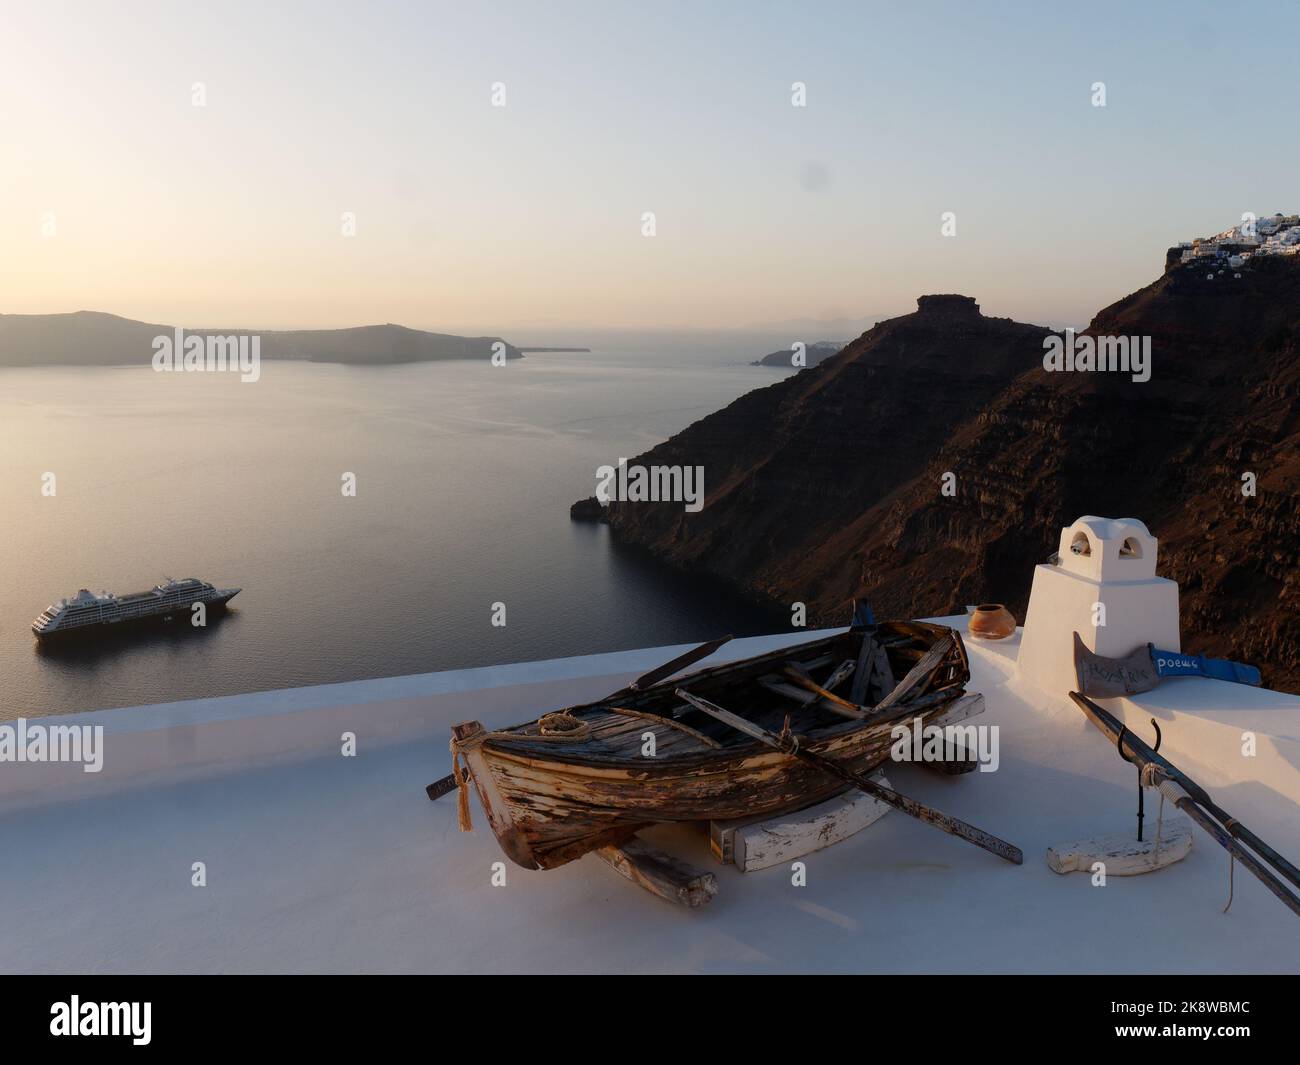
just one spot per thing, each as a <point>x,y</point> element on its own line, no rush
<point>1123,855</point>
<point>840,816</point>
<point>783,839</point>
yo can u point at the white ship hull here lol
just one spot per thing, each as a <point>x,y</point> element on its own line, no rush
<point>87,614</point>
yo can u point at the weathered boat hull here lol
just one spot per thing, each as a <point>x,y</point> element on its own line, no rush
<point>546,813</point>
<point>549,804</point>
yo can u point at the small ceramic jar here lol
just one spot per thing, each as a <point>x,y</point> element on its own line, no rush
<point>992,621</point>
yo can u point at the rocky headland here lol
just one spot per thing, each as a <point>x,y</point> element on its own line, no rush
<point>830,484</point>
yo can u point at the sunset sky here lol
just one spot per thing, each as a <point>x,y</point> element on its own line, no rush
<point>478,218</point>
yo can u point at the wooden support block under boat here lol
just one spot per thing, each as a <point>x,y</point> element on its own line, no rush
<point>970,704</point>
<point>759,843</point>
<point>958,758</point>
<point>659,873</point>
<point>957,761</point>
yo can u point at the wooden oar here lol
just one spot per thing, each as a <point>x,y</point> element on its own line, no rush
<point>675,666</point>
<point>1171,790</point>
<point>1241,832</point>
<point>1186,794</point>
<point>929,815</point>
<point>773,683</point>
<point>441,787</point>
<point>808,684</point>
<point>806,698</point>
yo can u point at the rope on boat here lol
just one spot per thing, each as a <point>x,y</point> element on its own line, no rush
<point>557,727</point>
<point>562,725</point>
<point>462,789</point>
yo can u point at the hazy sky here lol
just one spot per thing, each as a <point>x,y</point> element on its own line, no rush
<point>471,217</point>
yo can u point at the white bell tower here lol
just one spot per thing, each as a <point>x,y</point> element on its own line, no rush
<point>1104,587</point>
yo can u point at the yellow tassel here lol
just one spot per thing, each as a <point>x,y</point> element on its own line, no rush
<point>462,790</point>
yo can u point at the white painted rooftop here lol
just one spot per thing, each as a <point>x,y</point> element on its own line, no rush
<point>320,863</point>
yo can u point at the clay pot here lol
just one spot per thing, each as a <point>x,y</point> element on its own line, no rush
<point>992,621</point>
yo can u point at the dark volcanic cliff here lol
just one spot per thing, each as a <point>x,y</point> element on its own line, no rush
<point>828,484</point>
<point>796,470</point>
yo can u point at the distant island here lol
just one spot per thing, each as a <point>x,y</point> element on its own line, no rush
<point>93,338</point>
<point>531,349</point>
<point>814,353</point>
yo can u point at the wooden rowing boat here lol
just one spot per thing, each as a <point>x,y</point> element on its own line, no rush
<point>588,776</point>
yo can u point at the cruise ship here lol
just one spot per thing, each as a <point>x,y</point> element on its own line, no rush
<point>88,612</point>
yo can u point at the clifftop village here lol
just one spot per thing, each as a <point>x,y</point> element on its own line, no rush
<point>1278,235</point>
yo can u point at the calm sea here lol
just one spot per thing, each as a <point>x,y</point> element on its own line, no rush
<point>464,471</point>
